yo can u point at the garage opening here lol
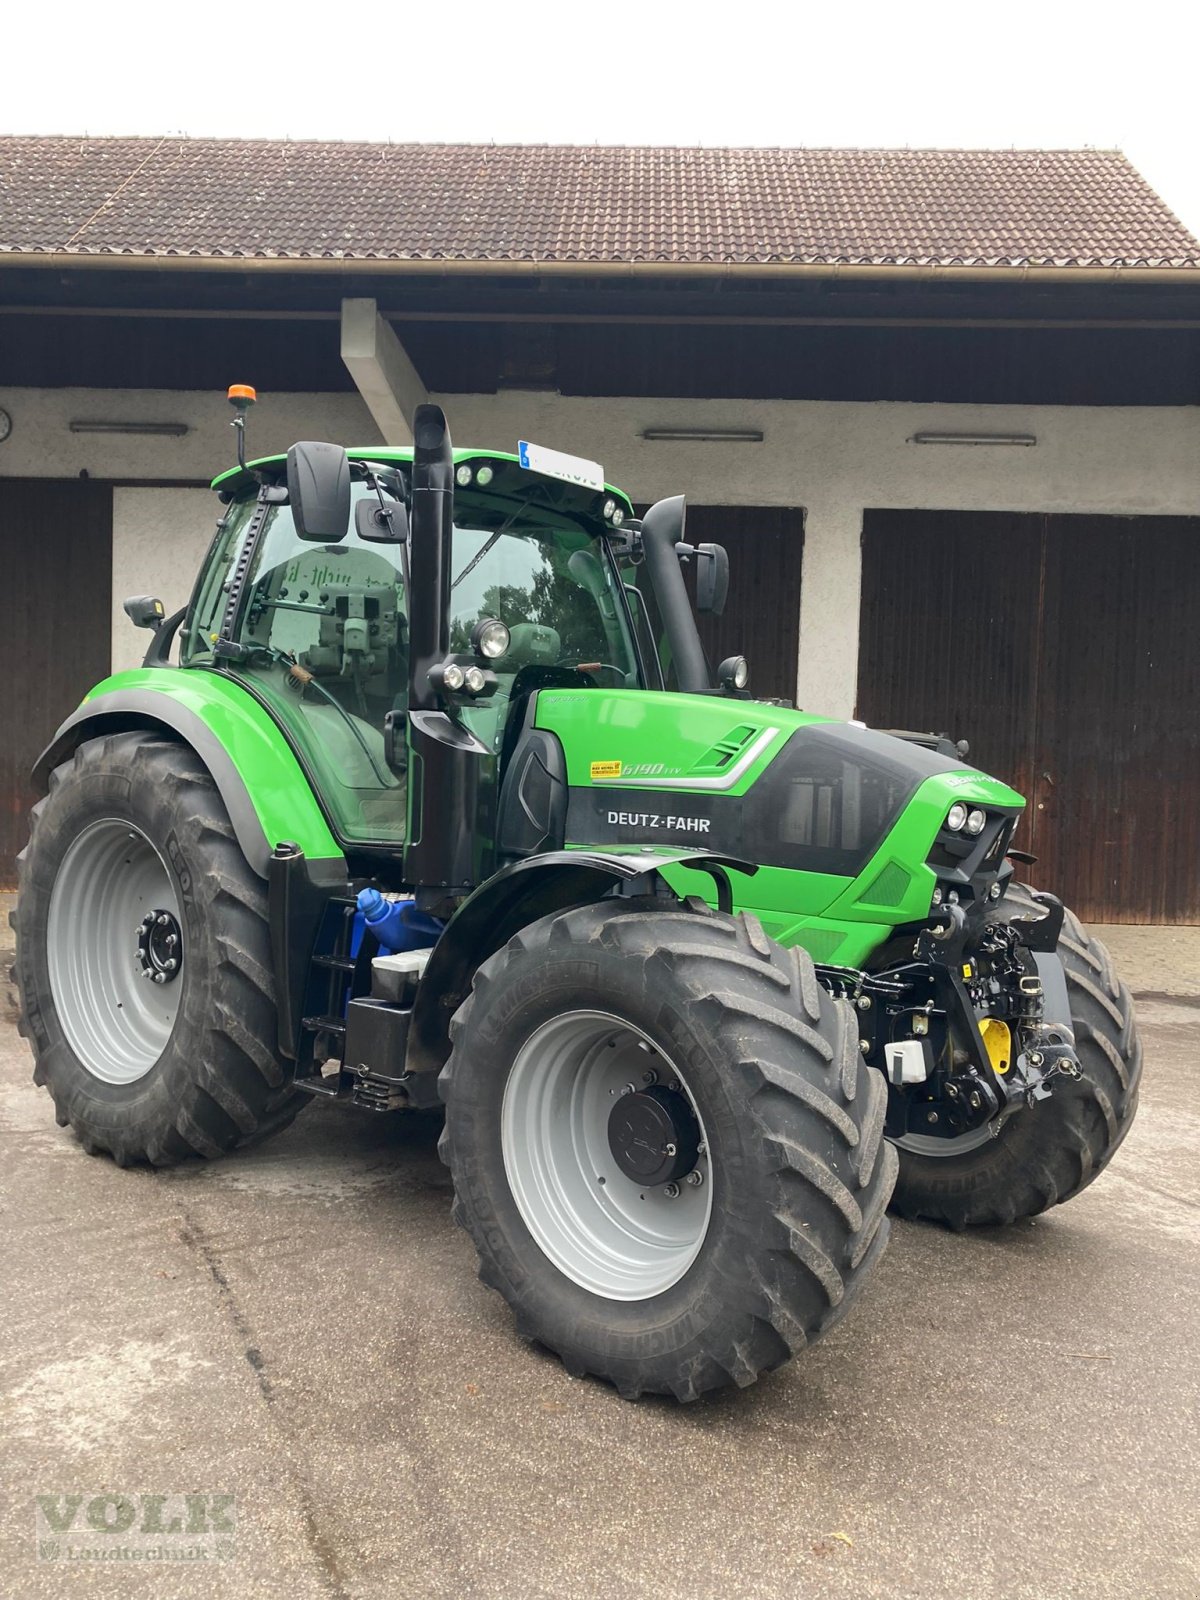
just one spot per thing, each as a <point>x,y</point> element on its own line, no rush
<point>1065,649</point>
<point>56,640</point>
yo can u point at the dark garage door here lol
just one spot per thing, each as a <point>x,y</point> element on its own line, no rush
<point>1065,648</point>
<point>55,639</point>
<point>761,620</point>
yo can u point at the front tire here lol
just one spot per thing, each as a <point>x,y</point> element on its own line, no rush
<point>132,865</point>
<point>1046,1153</point>
<point>783,1216</point>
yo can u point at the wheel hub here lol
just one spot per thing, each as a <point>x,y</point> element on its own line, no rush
<point>654,1136</point>
<point>160,947</point>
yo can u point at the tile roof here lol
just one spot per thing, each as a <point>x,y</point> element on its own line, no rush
<point>206,198</point>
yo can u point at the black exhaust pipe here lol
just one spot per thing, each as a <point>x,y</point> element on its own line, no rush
<point>432,526</point>
<point>449,846</point>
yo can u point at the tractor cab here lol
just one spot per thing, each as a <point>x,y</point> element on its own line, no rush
<point>318,626</point>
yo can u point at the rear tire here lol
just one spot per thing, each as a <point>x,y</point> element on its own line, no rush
<point>133,824</point>
<point>1047,1152</point>
<point>791,1118</point>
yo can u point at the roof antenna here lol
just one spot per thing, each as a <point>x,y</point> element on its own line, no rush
<point>241,397</point>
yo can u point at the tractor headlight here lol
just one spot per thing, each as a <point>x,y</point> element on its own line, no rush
<point>618,517</point>
<point>490,639</point>
<point>956,817</point>
<point>474,679</point>
<point>453,676</point>
<point>608,509</point>
<point>976,821</point>
<point>484,476</point>
<point>463,475</point>
<point>733,673</point>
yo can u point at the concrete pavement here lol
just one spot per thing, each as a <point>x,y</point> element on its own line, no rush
<point>1004,1416</point>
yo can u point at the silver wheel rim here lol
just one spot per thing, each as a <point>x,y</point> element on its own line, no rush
<point>956,1144</point>
<point>600,1228</point>
<point>116,1019</point>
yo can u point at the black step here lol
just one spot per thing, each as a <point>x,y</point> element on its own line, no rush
<point>338,963</point>
<point>324,1025</point>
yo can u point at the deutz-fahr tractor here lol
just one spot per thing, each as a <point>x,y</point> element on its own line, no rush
<point>443,805</point>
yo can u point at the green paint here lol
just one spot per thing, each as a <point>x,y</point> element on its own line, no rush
<point>633,744</point>
<point>275,782</point>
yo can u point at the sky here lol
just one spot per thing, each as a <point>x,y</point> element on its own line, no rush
<point>1050,75</point>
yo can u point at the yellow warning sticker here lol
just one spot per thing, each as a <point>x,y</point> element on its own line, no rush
<point>606,769</point>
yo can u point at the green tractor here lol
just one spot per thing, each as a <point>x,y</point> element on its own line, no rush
<point>443,804</point>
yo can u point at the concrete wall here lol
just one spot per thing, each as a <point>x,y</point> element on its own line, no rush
<point>834,459</point>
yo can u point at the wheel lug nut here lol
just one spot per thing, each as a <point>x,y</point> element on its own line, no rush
<point>650,1077</point>
<point>160,977</point>
<point>671,1190</point>
<point>669,1150</point>
<point>629,1089</point>
<point>695,1178</point>
<point>172,941</point>
<point>163,919</point>
<point>169,966</point>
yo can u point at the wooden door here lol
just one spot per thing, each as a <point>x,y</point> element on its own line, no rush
<point>56,633</point>
<point>1064,649</point>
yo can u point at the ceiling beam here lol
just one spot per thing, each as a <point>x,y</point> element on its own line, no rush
<point>382,370</point>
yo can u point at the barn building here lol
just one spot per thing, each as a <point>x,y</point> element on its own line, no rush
<point>942,406</point>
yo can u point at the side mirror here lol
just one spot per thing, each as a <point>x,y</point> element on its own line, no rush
<point>386,524</point>
<point>144,610</point>
<point>712,579</point>
<point>318,481</point>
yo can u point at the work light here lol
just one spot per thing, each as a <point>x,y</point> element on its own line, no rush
<point>976,820</point>
<point>489,638</point>
<point>956,817</point>
<point>463,475</point>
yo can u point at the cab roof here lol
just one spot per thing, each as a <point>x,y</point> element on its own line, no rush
<point>235,481</point>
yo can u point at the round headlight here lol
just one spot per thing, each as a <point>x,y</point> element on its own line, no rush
<point>937,897</point>
<point>475,679</point>
<point>490,639</point>
<point>618,517</point>
<point>976,821</point>
<point>608,508</point>
<point>956,817</point>
<point>484,476</point>
<point>452,677</point>
<point>463,475</point>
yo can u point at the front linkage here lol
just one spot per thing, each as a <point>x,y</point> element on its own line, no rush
<point>965,1032</point>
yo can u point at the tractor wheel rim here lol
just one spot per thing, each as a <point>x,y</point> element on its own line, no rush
<point>949,1144</point>
<point>116,1017</point>
<point>600,1228</point>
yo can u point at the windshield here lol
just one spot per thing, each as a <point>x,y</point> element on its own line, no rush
<point>557,594</point>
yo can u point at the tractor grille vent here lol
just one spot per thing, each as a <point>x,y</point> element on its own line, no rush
<point>821,943</point>
<point>726,750</point>
<point>889,888</point>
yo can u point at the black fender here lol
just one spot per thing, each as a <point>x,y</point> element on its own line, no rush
<point>520,894</point>
<point>126,710</point>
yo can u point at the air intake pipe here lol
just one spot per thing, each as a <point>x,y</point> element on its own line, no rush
<point>662,530</point>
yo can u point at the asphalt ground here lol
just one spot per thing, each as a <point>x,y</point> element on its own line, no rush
<point>1003,1414</point>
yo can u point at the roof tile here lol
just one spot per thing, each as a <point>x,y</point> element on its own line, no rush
<point>547,203</point>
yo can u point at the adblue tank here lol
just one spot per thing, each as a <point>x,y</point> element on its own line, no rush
<point>396,924</point>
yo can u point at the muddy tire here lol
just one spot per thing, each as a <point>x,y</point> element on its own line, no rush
<point>132,864</point>
<point>1048,1152</point>
<point>780,1215</point>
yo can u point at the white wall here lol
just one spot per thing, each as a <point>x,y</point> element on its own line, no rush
<point>834,458</point>
<point>159,539</point>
